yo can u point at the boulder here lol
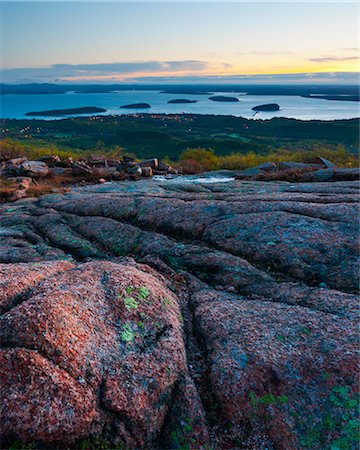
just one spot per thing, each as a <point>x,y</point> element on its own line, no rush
<point>67,162</point>
<point>81,168</point>
<point>324,162</point>
<point>16,161</point>
<point>248,173</point>
<point>128,159</point>
<point>153,163</point>
<point>289,367</point>
<point>146,171</point>
<point>320,175</point>
<point>34,169</point>
<point>50,160</point>
<point>105,172</point>
<point>92,348</point>
<point>113,162</point>
<point>24,182</point>
<point>172,171</point>
<point>163,166</point>
<point>346,174</point>
<point>297,165</point>
<point>267,167</point>
<point>55,171</point>
<point>333,174</point>
<point>12,167</point>
<point>97,161</point>
<point>134,170</point>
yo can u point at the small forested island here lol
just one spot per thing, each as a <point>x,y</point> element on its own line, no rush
<point>67,112</point>
<point>223,98</point>
<point>267,107</point>
<point>136,106</point>
<point>182,100</point>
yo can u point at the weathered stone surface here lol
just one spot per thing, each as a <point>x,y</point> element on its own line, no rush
<point>81,168</point>
<point>153,163</point>
<point>34,169</point>
<point>101,329</point>
<point>346,174</point>
<point>97,160</point>
<point>325,162</point>
<point>266,276</point>
<point>146,171</point>
<point>247,173</point>
<point>50,160</point>
<point>17,281</point>
<point>290,367</point>
<point>267,167</point>
<point>297,165</point>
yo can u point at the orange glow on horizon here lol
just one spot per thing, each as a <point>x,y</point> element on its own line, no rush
<point>216,70</point>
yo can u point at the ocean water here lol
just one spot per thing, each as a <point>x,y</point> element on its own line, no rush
<point>16,106</point>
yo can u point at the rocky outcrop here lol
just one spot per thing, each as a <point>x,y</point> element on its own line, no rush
<point>105,350</point>
<point>50,160</point>
<point>238,316</point>
<point>21,166</point>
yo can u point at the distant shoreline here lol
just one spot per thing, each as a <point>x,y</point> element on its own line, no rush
<point>328,92</point>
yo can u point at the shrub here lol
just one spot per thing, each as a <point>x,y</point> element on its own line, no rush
<point>194,160</point>
<point>10,149</point>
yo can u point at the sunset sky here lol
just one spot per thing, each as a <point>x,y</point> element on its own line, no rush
<point>151,42</point>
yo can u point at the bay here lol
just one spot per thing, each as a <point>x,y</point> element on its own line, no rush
<point>16,106</point>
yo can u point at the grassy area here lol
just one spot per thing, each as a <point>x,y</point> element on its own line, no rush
<point>202,159</point>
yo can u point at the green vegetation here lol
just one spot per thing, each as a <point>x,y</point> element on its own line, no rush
<point>130,303</point>
<point>237,143</point>
<point>127,335</point>
<point>143,293</point>
<point>165,302</point>
<point>267,399</point>
<point>19,445</point>
<point>181,436</point>
<point>98,443</point>
<point>129,290</point>
<point>340,421</point>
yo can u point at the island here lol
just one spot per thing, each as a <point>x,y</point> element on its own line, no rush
<point>67,112</point>
<point>223,98</point>
<point>267,107</point>
<point>182,100</point>
<point>136,106</point>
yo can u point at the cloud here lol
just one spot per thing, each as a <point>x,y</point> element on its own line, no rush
<point>322,59</point>
<point>266,53</point>
<point>271,79</point>
<point>104,71</point>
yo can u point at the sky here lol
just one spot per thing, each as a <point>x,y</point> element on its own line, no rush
<point>102,42</point>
